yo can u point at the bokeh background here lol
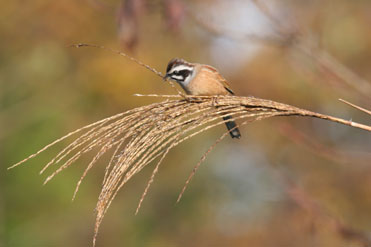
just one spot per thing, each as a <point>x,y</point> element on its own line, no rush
<point>287,182</point>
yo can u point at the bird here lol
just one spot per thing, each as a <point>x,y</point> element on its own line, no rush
<point>201,80</point>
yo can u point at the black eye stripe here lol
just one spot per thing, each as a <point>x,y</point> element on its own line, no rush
<point>183,73</point>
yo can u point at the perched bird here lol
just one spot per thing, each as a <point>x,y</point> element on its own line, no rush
<point>201,80</point>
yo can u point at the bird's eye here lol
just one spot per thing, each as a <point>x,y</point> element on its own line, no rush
<point>176,72</point>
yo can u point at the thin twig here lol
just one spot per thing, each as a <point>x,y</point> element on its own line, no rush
<point>356,106</point>
<point>79,45</point>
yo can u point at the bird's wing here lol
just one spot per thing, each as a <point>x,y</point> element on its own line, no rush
<point>221,79</point>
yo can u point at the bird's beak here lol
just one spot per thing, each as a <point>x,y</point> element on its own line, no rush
<point>166,77</point>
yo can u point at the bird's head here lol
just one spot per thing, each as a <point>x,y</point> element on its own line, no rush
<point>180,71</point>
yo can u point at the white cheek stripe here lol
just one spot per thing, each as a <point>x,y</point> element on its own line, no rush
<point>177,77</point>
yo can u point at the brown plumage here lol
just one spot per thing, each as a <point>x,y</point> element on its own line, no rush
<point>208,81</point>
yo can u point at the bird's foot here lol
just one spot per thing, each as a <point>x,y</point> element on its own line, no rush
<point>214,101</point>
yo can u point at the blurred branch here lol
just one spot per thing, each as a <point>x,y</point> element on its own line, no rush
<point>304,44</point>
<point>304,201</point>
<point>174,11</point>
<point>298,40</point>
<point>331,64</point>
<point>310,143</point>
<point>128,22</point>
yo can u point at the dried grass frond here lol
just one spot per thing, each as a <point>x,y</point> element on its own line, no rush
<point>141,135</point>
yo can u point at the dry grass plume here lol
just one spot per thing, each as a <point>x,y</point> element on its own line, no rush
<point>146,134</point>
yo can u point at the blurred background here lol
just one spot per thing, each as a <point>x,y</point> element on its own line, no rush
<point>287,182</point>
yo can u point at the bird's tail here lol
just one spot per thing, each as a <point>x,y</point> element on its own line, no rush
<point>232,127</point>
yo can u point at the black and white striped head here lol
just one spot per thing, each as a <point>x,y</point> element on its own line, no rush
<point>180,71</point>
